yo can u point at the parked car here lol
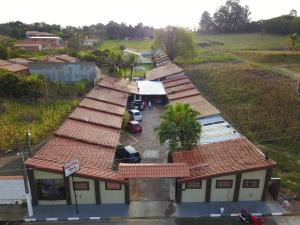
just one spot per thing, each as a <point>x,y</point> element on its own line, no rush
<point>134,127</point>
<point>137,104</point>
<point>127,154</point>
<point>135,114</point>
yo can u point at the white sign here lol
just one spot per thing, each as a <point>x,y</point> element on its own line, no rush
<point>71,167</point>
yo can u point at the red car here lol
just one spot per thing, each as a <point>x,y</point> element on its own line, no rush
<point>134,127</point>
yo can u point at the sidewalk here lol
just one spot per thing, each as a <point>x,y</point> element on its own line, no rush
<point>213,209</point>
<point>86,212</point>
<point>152,209</point>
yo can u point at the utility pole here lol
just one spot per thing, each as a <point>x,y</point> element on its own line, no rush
<point>26,184</point>
<point>28,134</point>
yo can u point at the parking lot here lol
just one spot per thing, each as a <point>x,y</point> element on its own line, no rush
<point>146,143</point>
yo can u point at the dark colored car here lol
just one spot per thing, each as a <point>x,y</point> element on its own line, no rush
<point>134,127</point>
<point>127,154</point>
<point>137,104</point>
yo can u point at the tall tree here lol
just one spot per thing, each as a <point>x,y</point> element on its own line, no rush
<point>231,16</point>
<point>175,41</point>
<point>206,23</point>
<point>179,125</point>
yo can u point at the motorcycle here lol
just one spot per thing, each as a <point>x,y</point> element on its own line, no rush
<point>247,218</point>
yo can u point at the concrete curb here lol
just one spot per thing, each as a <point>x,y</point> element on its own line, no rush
<point>98,218</point>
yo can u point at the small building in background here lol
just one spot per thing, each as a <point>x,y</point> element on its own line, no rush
<point>32,47</point>
<point>47,42</point>
<point>66,72</point>
<point>30,34</point>
<point>90,42</point>
<point>60,59</point>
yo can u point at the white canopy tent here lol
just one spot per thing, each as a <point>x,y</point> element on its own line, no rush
<point>147,87</point>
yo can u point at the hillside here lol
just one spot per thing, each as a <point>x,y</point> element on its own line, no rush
<point>261,105</point>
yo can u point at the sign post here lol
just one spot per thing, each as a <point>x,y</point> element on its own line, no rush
<point>69,169</point>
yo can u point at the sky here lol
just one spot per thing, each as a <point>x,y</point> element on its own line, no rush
<point>156,13</point>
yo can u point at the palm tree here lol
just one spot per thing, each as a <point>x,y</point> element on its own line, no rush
<point>132,60</point>
<point>179,125</point>
<point>293,39</point>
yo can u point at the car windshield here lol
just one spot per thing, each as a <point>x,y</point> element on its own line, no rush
<point>137,113</point>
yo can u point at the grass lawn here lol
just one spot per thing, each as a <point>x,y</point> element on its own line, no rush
<point>134,44</point>
<point>40,118</point>
<point>261,105</point>
<point>248,41</point>
<point>204,56</point>
<point>137,73</point>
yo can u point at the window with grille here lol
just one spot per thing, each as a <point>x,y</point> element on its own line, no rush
<point>224,183</point>
<point>251,183</point>
<point>51,189</point>
<point>81,185</point>
<point>112,186</point>
<point>193,185</point>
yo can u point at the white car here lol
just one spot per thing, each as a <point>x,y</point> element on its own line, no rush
<point>135,114</point>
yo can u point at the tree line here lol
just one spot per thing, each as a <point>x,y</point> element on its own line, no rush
<point>111,30</point>
<point>235,18</point>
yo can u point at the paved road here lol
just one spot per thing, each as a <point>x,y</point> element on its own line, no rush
<point>286,220</point>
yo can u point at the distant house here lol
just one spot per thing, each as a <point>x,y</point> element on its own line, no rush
<point>60,59</point>
<point>47,41</point>
<point>37,34</point>
<point>90,42</point>
<point>33,47</point>
<point>66,72</point>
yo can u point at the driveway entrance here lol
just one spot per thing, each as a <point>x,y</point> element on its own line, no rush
<point>155,189</point>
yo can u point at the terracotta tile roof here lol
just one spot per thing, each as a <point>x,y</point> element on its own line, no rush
<point>171,79</point>
<point>20,61</point>
<point>183,94</point>
<point>199,104</point>
<point>14,67</point>
<point>177,83</point>
<point>119,85</point>
<point>222,158</point>
<point>96,117</point>
<point>63,150</point>
<point>66,58</point>
<point>153,170</point>
<point>89,133</point>
<point>108,95</point>
<point>96,173</point>
<point>102,106</point>
<point>163,71</point>
<point>4,62</point>
<point>180,88</point>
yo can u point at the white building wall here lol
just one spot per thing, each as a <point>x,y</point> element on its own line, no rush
<point>83,196</point>
<point>222,194</point>
<point>12,190</point>
<point>194,195</point>
<point>111,196</point>
<point>252,194</point>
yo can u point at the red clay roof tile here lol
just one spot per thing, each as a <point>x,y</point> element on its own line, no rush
<point>222,158</point>
<point>119,85</point>
<point>152,170</point>
<point>108,95</point>
<point>163,71</point>
<point>96,117</point>
<point>89,133</point>
<point>180,88</point>
<point>102,106</point>
<point>183,94</point>
<point>177,82</point>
